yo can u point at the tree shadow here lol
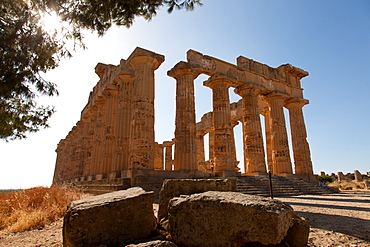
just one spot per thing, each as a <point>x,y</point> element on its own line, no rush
<point>330,206</point>
<point>355,227</point>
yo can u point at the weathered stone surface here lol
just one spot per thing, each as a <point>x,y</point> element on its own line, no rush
<point>175,187</point>
<point>297,235</point>
<point>109,219</point>
<point>157,243</point>
<point>227,219</point>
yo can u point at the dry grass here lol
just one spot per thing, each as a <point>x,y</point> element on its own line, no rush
<point>348,185</point>
<point>34,208</point>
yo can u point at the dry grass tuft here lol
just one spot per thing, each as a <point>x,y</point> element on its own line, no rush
<point>348,185</point>
<point>34,208</point>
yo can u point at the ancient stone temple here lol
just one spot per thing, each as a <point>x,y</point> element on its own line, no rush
<point>114,138</point>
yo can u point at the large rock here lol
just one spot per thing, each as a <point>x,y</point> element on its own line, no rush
<point>175,187</point>
<point>110,219</point>
<point>297,235</point>
<point>227,219</point>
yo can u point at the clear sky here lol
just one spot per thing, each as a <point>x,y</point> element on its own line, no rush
<point>330,39</point>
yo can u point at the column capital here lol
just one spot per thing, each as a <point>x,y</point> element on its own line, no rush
<point>249,88</point>
<point>216,81</point>
<point>168,143</point>
<point>181,69</point>
<point>295,102</point>
<point>141,56</point>
<point>276,95</point>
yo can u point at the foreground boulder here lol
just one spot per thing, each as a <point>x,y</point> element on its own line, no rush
<point>297,235</point>
<point>110,219</point>
<point>227,219</point>
<point>175,187</point>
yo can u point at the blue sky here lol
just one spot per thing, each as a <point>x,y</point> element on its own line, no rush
<point>329,39</point>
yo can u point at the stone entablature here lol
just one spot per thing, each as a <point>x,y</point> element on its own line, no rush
<point>115,135</point>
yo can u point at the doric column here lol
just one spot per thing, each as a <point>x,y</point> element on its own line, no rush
<point>60,163</point>
<point>301,149</point>
<point>158,156</point>
<point>200,146</point>
<point>88,133</point>
<point>211,144</point>
<point>266,114</point>
<point>185,124</point>
<point>233,124</point>
<point>279,139</point>
<point>254,153</point>
<point>109,129</point>
<point>121,157</point>
<point>97,158</point>
<point>168,155</point>
<point>142,121</point>
<point>223,144</point>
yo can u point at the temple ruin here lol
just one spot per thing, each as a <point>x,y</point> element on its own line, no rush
<point>115,139</point>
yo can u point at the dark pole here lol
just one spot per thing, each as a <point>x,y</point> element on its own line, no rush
<point>271,192</point>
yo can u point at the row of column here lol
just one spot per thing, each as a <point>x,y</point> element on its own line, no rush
<point>116,130</point>
<point>160,151</point>
<point>222,138</point>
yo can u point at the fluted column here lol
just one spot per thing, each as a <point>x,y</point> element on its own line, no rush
<point>254,161</point>
<point>88,137</point>
<point>266,114</point>
<point>279,138</point>
<point>200,146</point>
<point>301,149</point>
<point>109,129</point>
<point>168,155</point>
<point>158,156</point>
<point>97,158</point>
<point>233,124</point>
<point>142,120</point>
<point>185,123</point>
<point>211,144</point>
<point>223,145</point>
<point>123,122</point>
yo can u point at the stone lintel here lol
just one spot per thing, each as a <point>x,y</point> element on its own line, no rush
<point>182,68</point>
<point>270,78</point>
<point>140,56</point>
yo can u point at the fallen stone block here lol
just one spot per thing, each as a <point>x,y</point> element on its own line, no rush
<point>227,219</point>
<point>297,235</point>
<point>175,187</point>
<point>110,219</point>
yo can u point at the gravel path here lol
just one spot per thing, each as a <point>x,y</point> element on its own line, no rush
<point>336,220</point>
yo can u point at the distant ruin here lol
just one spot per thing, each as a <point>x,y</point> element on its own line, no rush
<point>115,136</point>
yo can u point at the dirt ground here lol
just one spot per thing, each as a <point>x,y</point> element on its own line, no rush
<point>336,220</point>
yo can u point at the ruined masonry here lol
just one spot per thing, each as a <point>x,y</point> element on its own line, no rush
<point>115,137</point>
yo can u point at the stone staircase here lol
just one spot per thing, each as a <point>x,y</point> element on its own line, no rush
<point>282,186</point>
<point>97,187</point>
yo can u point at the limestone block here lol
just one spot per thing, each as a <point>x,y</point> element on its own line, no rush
<point>297,235</point>
<point>227,219</point>
<point>109,219</point>
<point>175,187</point>
<point>156,243</point>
